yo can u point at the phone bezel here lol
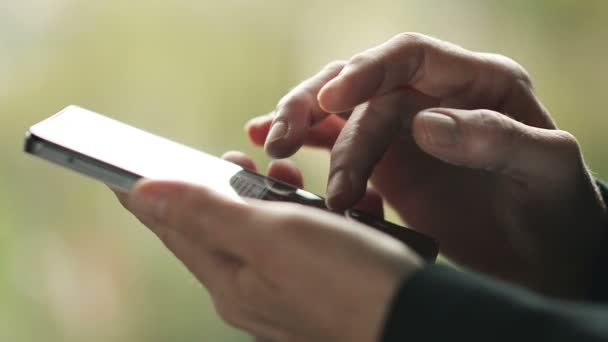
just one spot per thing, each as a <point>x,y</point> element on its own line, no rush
<point>76,161</point>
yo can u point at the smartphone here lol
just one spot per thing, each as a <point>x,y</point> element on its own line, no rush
<point>119,155</point>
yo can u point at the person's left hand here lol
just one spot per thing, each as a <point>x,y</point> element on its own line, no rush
<point>280,271</point>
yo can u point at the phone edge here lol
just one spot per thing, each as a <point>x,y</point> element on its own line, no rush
<point>111,175</point>
<point>124,180</point>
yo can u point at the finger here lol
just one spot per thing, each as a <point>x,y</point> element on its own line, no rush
<point>198,214</point>
<point>240,159</point>
<point>483,139</point>
<point>122,197</point>
<point>325,133</point>
<point>213,270</point>
<point>207,233</point>
<point>371,203</point>
<point>322,134</point>
<point>257,128</point>
<point>296,112</point>
<point>429,65</point>
<point>285,170</point>
<point>364,139</point>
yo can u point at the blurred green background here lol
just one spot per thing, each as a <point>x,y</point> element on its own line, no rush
<point>74,266</point>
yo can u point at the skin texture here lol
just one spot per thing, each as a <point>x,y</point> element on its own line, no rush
<point>255,259</point>
<point>455,141</point>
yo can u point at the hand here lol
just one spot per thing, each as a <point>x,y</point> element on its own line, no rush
<point>488,174</point>
<point>279,271</point>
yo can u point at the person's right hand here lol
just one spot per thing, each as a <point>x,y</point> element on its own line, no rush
<point>487,173</point>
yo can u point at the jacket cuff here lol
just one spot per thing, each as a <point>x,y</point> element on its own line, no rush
<point>599,283</point>
<point>441,303</point>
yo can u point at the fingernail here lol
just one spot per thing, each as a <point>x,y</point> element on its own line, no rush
<point>338,185</point>
<point>277,131</point>
<point>440,129</point>
<point>152,204</point>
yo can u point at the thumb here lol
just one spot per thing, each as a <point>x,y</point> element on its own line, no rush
<point>488,140</point>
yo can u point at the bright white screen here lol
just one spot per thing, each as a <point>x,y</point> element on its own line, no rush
<point>135,150</point>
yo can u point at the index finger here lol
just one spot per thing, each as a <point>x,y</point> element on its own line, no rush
<point>297,112</point>
<point>431,66</point>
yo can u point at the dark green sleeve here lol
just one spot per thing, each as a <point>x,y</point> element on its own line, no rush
<point>440,303</point>
<point>599,289</point>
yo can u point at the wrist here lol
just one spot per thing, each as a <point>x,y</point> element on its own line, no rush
<point>398,269</point>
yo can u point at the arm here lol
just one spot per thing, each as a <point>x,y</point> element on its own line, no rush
<point>476,308</point>
<point>599,286</point>
<point>440,303</point>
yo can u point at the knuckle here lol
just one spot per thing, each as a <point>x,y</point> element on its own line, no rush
<point>417,42</point>
<point>567,143</point>
<point>298,100</point>
<point>522,76</point>
<point>360,59</point>
<point>512,71</point>
<point>566,156</point>
<point>334,65</point>
<point>518,72</point>
<point>493,134</point>
<point>494,126</point>
<point>410,37</point>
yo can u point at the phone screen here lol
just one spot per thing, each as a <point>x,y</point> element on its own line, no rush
<point>120,154</point>
<point>134,150</point>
